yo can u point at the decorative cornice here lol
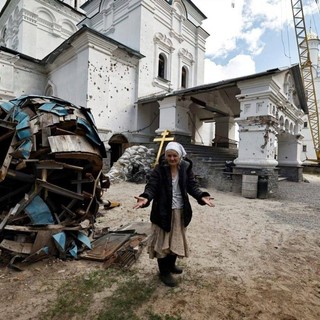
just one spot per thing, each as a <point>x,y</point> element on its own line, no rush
<point>184,54</point>
<point>64,10</point>
<point>164,41</point>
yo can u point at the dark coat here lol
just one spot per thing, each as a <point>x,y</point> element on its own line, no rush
<point>159,189</point>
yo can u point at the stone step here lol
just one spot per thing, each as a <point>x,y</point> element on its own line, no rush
<point>209,162</point>
<point>213,152</point>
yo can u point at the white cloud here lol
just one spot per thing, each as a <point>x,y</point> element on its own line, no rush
<point>2,2</point>
<point>238,66</point>
<point>236,29</point>
<point>253,40</point>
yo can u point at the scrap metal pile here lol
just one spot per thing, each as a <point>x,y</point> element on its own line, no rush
<point>51,178</point>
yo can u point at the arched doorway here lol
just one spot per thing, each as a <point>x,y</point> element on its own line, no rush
<point>118,144</point>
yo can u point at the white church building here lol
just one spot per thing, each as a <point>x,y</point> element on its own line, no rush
<point>139,66</point>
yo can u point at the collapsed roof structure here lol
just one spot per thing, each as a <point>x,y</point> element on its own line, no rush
<point>51,178</point>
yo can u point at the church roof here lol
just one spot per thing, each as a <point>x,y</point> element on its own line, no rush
<point>233,82</point>
<point>197,9</point>
<point>21,55</point>
<point>60,1</point>
<point>67,44</point>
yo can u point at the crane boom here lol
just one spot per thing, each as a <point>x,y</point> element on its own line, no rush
<point>307,73</point>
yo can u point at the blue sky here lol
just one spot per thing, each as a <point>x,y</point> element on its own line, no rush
<point>250,36</point>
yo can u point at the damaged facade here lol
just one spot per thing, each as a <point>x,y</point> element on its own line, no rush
<point>137,85</point>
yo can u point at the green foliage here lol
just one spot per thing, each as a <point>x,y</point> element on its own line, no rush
<point>128,297</point>
<point>75,296</point>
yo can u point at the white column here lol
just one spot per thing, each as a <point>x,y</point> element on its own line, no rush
<point>289,150</point>
<point>224,131</point>
<point>173,117</point>
<point>257,143</point>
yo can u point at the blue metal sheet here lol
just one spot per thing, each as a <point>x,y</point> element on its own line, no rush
<point>89,114</point>
<point>25,148</point>
<point>91,133</point>
<point>74,250</point>
<point>84,239</point>
<point>38,212</point>
<point>22,97</point>
<point>7,106</point>
<point>60,241</point>
<point>24,133</point>
<point>61,110</point>
<point>23,120</point>
<point>54,108</point>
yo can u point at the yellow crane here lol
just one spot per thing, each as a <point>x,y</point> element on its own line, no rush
<point>307,73</point>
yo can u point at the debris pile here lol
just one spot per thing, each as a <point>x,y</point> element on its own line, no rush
<point>121,247</point>
<point>51,178</point>
<point>133,166</point>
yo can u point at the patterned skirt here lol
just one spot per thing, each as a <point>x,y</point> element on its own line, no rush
<point>174,242</point>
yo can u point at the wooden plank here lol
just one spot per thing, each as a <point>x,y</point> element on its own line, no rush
<point>94,159</point>
<point>66,209</point>
<point>18,247</point>
<point>39,100</point>
<point>49,164</point>
<point>59,131</point>
<point>23,163</point>
<point>49,119</point>
<point>58,190</point>
<point>45,133</point>
<point>34,125</point>
<point>44,239</point>
<point>52,164</point>
<point>71,143</point>
<point>7,160</point>
<point>55,227</point>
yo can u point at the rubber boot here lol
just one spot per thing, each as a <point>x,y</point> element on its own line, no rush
<point>173,267</point>
<point>164,269</point>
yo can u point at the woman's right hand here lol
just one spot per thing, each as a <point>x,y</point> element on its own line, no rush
<point>140,202</point>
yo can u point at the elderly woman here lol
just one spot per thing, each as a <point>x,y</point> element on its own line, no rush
<point>168,186</point>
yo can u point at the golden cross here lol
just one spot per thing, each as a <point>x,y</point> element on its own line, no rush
<point>164,137</point>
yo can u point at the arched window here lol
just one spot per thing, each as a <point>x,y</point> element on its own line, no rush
<point>162,66</point>
<point>184,77</point>
<point>49,91</point>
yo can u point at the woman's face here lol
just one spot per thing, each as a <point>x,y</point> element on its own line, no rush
<point>172,157</point>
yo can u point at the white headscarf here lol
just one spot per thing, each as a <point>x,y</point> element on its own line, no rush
<point>176,147</point>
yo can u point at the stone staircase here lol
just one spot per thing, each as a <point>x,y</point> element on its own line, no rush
<point>209,163</point>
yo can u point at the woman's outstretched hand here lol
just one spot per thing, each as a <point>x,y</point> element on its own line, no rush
<point>207,201</point>
<point>140,202</point>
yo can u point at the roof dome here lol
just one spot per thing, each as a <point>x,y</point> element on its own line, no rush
<point>312,35</point>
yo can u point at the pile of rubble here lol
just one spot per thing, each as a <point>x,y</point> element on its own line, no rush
<point>51,178</point>
<point>134,165</point>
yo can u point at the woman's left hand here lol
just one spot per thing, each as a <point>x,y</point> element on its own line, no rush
<point>207,201</point>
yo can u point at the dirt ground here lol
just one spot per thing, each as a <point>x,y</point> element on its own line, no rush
<point>249,259</point>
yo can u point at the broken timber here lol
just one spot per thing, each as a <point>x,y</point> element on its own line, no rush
<point>51,177</point>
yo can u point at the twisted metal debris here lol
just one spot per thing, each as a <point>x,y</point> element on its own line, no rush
<point>51,177</point>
